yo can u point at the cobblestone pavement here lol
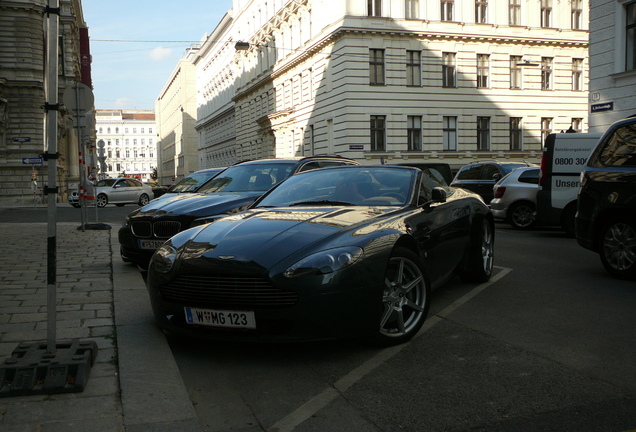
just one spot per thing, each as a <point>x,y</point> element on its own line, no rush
<point>84,310</point>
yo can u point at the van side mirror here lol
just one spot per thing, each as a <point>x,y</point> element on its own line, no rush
<point>438,195</point>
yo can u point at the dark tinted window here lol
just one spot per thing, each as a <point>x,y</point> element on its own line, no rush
<point>620,149</point>
<point>489,171</point>
<point>249,177</point>
<point>469,173</point>
<point>529,176</point>
<point>508,168</point>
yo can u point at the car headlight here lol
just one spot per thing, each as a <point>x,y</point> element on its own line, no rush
<point>164,258</point>
<point>324,262</point>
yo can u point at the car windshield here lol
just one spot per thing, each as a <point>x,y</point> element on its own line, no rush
<point>193,181</point>
<point>249,177</point>
<point>368,186</point>
<point>106,182</point>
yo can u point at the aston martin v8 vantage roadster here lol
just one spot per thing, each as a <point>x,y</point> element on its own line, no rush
<point>331,253</point>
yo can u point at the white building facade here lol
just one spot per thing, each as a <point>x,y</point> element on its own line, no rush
<point>176,111</point>
<point>612,62</point>
<point>392,81</point>
<point>130,142</point>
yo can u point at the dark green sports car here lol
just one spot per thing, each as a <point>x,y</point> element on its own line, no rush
<point>332,253</point>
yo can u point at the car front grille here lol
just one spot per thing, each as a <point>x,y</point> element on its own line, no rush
<point>227,292</point>
<point>161,229</point>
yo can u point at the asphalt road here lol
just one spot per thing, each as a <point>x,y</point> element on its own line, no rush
<point>548,345</point>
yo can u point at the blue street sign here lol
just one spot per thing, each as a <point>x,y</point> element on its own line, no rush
<point>33,161</point>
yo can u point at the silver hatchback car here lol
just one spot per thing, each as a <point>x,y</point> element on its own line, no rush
<point>516,197</point>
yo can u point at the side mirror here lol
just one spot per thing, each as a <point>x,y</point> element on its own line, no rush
<point>496,177</point>
<point>438,195</point>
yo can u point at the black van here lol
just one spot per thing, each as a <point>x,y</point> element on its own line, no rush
<point>606,207</point>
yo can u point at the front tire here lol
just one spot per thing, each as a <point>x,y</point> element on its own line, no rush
<point>144,199</point>
<point>480,255</point>
<point>618,248</point>
<point>521,215</point>
<point>405,300</point>
<point>102,200</point>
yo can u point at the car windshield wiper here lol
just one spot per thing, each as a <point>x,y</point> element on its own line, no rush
<point>322,202</point>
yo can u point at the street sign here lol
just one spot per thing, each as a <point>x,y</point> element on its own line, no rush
<point>32,161</point>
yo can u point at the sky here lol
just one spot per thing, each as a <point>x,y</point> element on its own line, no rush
<point>136,44</point>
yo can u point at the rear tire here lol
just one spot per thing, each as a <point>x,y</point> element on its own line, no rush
<point>480,255</point>
<point>521,215</point>
<point>568,220</point>
<point>618,248</point>
<point>144,199</point>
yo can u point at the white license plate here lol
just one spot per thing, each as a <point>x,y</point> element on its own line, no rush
<point>150,244</point>
<point>220,318</point>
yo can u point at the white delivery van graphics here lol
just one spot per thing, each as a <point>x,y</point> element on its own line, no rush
<point>564,156</point>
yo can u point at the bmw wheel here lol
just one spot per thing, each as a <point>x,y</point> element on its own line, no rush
<point>405,300</point>
<point>102,200</point>
<point>480,255</point>
<point>618,248</point>
<point>143,200</point>
<point>521,215</point>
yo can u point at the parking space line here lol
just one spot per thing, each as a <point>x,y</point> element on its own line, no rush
<point>311,407</point>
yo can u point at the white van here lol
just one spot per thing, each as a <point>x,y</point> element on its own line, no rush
<point>564,156</point>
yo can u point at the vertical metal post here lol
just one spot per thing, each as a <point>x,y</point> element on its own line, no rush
<point>51,93</point>
<point>82,147</point>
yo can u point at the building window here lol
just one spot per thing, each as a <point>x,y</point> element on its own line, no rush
<point>515,72</point>
<point>447,9</point>
<point>374,7</point>
<point>483,133</point>
<point>378,129</point>
<point>576,125</point>
<point>449,131</point>
<point>142,130</point>
<point>546,128</point>
<point>577,74</point>
<point>546,73</point>
<point>515,133</point>
<point>546,13</point>
<point>376,67</point>
<point>414,132</point>
<point>135,153</point>
<point>127,153</point>
<point>514,12</point>
<point>449,70</point>
<point>412,8</point>
<point>630,33</point>
<point>482,70</point>
<point>577,12</point>
<point>413,69</point>
<point>481,10</point>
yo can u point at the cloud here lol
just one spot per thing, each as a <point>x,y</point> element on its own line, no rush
<point>160,53</point>
<point>124,103</point>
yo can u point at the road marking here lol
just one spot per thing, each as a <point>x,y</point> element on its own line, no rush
<point>311,407</point>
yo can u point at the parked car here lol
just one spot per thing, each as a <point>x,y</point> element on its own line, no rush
<point>118,191</point>
<point>232,191</point>
<point>480,177</point>
<point>195,180</point>
<point>606,208</point>
<point>332,253</point>
<point>157,189</point>
<point>515,197</point>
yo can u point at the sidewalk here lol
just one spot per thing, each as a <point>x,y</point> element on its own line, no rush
<point>134,385</point>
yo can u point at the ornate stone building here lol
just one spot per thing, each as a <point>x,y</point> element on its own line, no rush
<point>22,96</point>
<point>392,80</point>
<point>130,142</point>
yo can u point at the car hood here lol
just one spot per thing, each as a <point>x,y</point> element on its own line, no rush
<point>196,204</point>
<point>263,238</point>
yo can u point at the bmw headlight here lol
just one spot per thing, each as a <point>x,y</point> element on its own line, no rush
<point>324,262</point>
<point>164,258</point>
